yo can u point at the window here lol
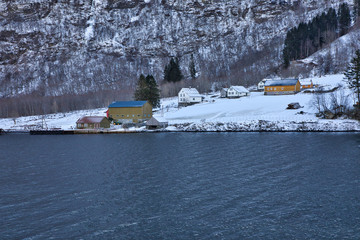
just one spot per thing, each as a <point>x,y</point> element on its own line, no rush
<point>127,115</point>
<point>138,115</point>
<point>282,88</point>
<point>85,125</point>
<point>133,115</point>
<point>144,115</point>
<point>148,115</point>
<point>274,88</point>
<point>123,115</point>
<point>194,99</point>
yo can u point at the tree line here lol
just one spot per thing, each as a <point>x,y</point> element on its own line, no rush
<point>307,38</point>
<point>36,104</point>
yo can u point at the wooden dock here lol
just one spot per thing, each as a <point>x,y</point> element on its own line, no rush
<point>51,132</point>
<point>77,131</point>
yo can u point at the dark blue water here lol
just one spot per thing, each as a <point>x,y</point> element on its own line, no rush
<point>180,186</point>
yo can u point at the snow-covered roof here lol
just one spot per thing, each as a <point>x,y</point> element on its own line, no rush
<point>155,121</point>
<point>90,119</point>
<point>240,89</point>
<point>264,80</point>
<point>191,92</point>
<point>305,82</point>
<point>282,82</point>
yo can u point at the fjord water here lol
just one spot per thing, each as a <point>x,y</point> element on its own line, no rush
<point>180,186</point>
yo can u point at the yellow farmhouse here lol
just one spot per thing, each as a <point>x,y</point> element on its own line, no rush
<point>306,84</point>
<point>284,86</point>
<point>130,111</point>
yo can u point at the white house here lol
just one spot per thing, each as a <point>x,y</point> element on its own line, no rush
<point>237,91</point>
<point>261,84</point>
<point>188,96</point>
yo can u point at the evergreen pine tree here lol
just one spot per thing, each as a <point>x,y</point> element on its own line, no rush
<point>172,72</point>
<point>147,90</point>
<point>344,18</point>
<point>287,55</point>
<point>192,68</point>
<point>352,74</point>
<point>332,23</point>
<point>153,90</point>
<point>141,92</point>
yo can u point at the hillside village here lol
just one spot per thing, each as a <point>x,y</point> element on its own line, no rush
<point>272,105</point>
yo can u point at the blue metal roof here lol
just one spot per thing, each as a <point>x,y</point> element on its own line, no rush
<point>282,82</point>
<point>126,104</point>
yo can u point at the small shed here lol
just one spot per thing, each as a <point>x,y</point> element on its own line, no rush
<point>92,122</point>
<point>237,91</point>
<point>223,92</point>
<point>156,123</point>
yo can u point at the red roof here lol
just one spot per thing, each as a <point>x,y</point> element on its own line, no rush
<point>90,119</point>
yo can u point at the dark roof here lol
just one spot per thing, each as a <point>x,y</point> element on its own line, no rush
<point>126,104</point>
<point>282,82</point>
<point>90,119</point>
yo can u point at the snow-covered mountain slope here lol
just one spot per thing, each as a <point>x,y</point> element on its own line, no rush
<point>257,112</point>
<point>66,46</point>
<point>332,58</point>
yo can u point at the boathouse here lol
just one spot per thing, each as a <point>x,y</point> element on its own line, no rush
<point>283,86</point>
<point>129,111</point>
<point>156,123</point>
<point>92,122</point>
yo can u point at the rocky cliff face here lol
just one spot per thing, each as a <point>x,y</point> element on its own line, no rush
<point>55,47</point>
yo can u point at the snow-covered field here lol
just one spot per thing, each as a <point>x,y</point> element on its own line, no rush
<point>255,107</point>
<point>254,113</point>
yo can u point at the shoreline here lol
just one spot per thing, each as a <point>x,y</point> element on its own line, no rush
<point>71,132</point>
<point>343,125</point>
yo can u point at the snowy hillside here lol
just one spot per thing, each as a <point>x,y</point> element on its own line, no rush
<point>255,107</point>
<point>253,113</point>
<point>335,56</point>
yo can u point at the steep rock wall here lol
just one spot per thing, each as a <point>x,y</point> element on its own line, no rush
<point>75,46</point>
